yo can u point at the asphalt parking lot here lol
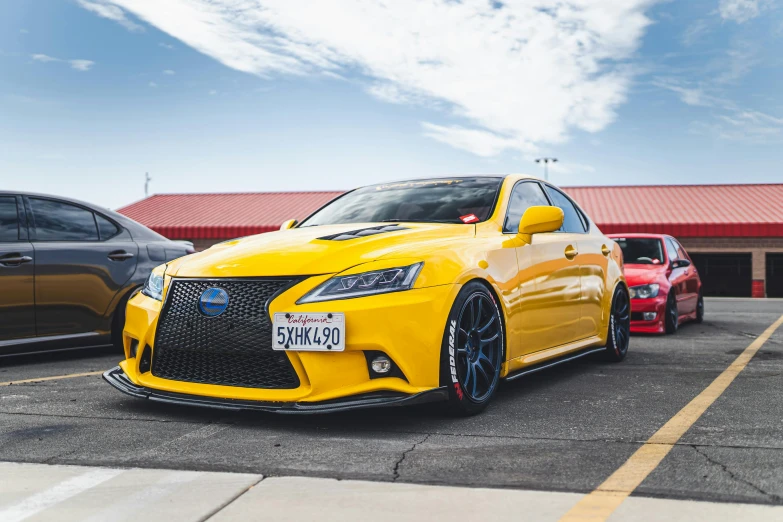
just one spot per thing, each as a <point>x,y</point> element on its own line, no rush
<point>563,430</point>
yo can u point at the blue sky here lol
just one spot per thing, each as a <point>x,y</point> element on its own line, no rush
<point>296,95</point>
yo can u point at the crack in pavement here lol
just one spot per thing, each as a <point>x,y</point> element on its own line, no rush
<point>734,477</point>
<point>740,333</point>
<point>396,470</point>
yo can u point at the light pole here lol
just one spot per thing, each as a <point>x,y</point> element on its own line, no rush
<point>147,180</point>
<point>546,162</point>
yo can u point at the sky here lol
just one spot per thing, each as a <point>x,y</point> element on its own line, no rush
<point>279,95</point>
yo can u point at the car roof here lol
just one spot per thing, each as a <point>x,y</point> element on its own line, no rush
<point>513,177</point>
<point>640,235</point>
<point>137,230</point>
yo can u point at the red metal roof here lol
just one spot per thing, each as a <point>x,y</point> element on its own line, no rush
<point>686,210</point>
<point>678,210</point>
<point>223,216</point>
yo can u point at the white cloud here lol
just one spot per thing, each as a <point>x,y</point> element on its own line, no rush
<point>689,95</point>
<point>166,46</point>
<point>213,92</point>
<point>743,125</point>
<point>739,11</point>
<point>152,84</point>
<point>169,72</point>
<point>728,120</point>
<point>105,10</point>
<point>24,31</point>
<point>515,74</point>
<point>479,142</point>
<point>81,65</point>
<point>44,58</point>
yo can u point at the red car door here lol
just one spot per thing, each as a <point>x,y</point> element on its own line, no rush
<point>692,283</point>
<point>678,277</point>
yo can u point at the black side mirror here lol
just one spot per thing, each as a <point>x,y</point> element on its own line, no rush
<point>680,263</point>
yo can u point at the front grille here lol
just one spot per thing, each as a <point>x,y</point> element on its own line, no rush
<point>637,316</point>
<point>232,349</point>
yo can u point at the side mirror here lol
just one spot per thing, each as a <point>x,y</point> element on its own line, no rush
<point>680,263</point>
<point>291,223</point>
<point>539,220</point>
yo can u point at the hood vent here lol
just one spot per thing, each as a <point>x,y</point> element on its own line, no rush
<point>363,232</point>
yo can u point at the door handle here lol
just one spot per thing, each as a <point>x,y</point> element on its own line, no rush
<point>571,252</point>
<point>605,250</point>
<point>120,255</point>
<point>14,260</point>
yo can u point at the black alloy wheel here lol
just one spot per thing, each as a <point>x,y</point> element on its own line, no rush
<point>473,350</point>
<point>619,335</point>
<point>672,319</point>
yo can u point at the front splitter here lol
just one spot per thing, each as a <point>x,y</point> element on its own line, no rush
<point>117,378</point>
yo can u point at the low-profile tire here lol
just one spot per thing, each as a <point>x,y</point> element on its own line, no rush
<point>118,323</point>
<point>619,336</point>
<point>700,309</point>
<point>473,350</point>
<point>671,315</point>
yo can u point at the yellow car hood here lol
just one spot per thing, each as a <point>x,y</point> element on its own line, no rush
<point>302,251</point>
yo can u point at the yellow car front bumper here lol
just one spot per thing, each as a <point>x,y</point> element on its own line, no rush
<point>407,326</point>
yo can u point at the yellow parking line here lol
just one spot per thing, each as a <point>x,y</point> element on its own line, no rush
<point>53,378</point>
<point>601,503</point>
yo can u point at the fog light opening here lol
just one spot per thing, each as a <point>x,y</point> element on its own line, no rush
<point>381,365</point>
<point>145,363</point>
<point>649,316</point>
<point>134,346</point>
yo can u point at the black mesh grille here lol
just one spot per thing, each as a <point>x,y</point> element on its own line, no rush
<point>232,349</point>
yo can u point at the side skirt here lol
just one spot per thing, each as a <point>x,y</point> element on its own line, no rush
<point>53,343</point>
<point>549,364</point>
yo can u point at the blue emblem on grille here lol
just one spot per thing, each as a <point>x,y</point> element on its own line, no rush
<point>213,302</point>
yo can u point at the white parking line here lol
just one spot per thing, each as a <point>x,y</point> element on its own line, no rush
<point>47,498</point>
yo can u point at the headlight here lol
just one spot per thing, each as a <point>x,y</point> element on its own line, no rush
<point>154,286</point>
<point>367,283</point>
<point>644,291</point>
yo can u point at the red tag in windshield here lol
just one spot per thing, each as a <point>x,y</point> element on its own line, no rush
<point>469,218</point>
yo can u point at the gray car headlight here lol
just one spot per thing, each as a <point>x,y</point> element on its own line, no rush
<point>366,283</point>
<point>644,291</point>
<point>154,286</point>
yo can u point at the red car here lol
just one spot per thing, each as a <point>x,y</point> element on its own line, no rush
<point>665,286</point>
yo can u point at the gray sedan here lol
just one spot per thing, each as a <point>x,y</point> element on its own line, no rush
<point>67,269</point>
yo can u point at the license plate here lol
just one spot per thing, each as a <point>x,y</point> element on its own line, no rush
<point>308,332</point>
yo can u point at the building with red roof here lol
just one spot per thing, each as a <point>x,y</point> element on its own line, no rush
<point>734,233</point>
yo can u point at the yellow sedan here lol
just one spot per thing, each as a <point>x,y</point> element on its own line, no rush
<point>400,293</point>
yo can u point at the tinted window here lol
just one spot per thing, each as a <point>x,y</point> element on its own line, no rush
<point>56,221</point>
<point>671,249</point>
<point>681,253</point>
<point>9,220</point>
<point>524,196</point>
<point>641,250</point>
<point>455,200</point>
<point>571,220</point>
<point>106,228</point>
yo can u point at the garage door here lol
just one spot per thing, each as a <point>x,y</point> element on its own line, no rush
<point>725,275</point>
<point>774,275</point>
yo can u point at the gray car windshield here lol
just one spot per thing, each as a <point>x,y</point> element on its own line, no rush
<point>641,250</point>
<point>456,200</point>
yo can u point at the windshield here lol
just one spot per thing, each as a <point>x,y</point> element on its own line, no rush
<point>641,250</point>
<point>457,200</point>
